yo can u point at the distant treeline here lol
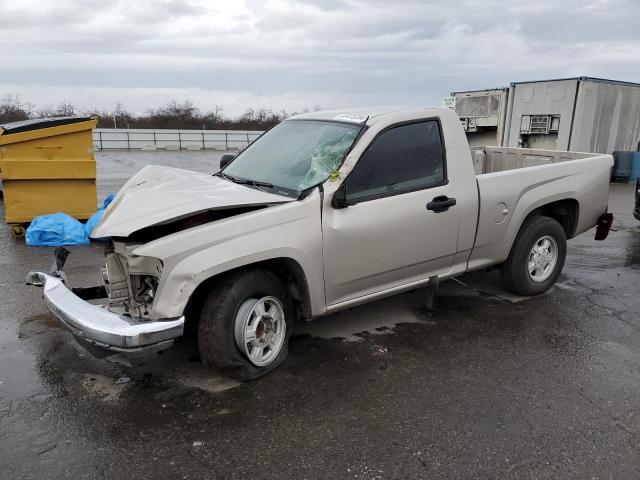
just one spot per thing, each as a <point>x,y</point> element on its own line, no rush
<point>174,114</point>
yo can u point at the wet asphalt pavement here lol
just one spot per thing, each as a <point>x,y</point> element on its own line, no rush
<point>491,386</point>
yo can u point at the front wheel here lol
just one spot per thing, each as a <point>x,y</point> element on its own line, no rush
<point>245,324</point>
<point>536,258</point>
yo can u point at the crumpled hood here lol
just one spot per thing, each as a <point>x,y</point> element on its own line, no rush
<point>157,194</point>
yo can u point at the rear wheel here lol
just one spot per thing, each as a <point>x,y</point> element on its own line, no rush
<point>245,324</point>
<point>536,258</point>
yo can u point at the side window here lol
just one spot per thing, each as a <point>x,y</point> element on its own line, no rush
<point>404,158</point>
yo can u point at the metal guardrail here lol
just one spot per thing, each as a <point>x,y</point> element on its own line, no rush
<point>143,139</point>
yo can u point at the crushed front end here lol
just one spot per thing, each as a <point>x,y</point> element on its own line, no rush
<point>124,320</point>
<point>130,280</point>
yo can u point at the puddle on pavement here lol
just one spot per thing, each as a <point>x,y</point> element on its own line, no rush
<point>105,388</point>
<point>161,375</point>
<point>47,320</point>
<point>202,378</point>
<point>375,318</point>
<point>36,325</point>
<point>382,316</point>
<point>110,389</point>
<point>123,378</point>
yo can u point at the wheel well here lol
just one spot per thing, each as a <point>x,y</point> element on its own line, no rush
<point>565,212</point>
<point>286,269</point>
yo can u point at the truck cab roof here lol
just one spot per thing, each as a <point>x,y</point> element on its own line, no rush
<point>369,114</point>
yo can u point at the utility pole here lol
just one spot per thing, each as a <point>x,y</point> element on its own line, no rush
<point>218,110</point>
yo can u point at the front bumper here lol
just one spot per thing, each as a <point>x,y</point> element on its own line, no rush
<point>97,325</point>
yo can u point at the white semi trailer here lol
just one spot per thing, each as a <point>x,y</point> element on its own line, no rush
<point>582,114</point>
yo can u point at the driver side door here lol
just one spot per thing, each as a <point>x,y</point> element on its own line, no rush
<point>397,223</point>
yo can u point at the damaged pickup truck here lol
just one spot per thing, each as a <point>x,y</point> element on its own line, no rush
<point>325,211</point>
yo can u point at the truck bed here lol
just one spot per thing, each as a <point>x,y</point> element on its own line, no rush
<point>500,159</point>
<point>512,182</point>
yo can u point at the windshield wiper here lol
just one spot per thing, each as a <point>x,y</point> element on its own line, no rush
<point>245,181</point>
<point>257,183</point>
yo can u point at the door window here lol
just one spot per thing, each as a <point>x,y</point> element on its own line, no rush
<point>402,159</point>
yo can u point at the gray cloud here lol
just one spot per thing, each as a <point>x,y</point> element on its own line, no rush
<point>294,53</point>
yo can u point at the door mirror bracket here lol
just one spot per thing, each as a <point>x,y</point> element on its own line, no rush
<point>339,199</point>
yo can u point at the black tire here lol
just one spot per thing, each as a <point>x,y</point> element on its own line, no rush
<point>216,337</point>
<point>514,270</point>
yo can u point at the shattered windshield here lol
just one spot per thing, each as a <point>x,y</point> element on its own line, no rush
<point>294,155</point>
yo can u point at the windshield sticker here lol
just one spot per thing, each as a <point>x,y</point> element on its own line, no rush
<point>350,117</point>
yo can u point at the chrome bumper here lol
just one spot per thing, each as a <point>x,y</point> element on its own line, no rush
<point>97,325</point>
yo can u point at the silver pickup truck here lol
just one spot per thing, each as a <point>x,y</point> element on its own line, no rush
<point>323,212</point>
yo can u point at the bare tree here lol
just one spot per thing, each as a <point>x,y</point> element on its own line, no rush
<point>174,114</point>
<point>12,109</point>
<point>65,109</point>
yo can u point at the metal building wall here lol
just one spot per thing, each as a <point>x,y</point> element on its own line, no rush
<point>553,97</point>
<point>487,110</point>
<point>483,139</point>
<point>607,117</point>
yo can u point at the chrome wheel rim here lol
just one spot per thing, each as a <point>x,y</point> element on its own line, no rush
<point>260,330</point>
<point>542,258</point>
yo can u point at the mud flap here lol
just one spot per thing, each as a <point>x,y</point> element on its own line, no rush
<point>604,226</point>
<point>432,293</point>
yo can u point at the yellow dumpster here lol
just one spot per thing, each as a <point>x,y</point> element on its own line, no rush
<point>47,166</point>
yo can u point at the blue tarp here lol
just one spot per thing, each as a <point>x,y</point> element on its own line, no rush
<point>96,217</point>
<point>59,229</point>
<point>55,230</point>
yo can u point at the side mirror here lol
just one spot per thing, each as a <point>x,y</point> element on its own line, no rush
<point>226,159</point>
<point>339,199</point>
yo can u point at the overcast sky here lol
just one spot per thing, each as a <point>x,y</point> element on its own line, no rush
<point>288,54</point>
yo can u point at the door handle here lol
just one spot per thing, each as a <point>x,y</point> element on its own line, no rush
<point>441,203</point>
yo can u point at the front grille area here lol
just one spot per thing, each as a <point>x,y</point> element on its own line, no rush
<point>117,280</point>
<point>131,280</point>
